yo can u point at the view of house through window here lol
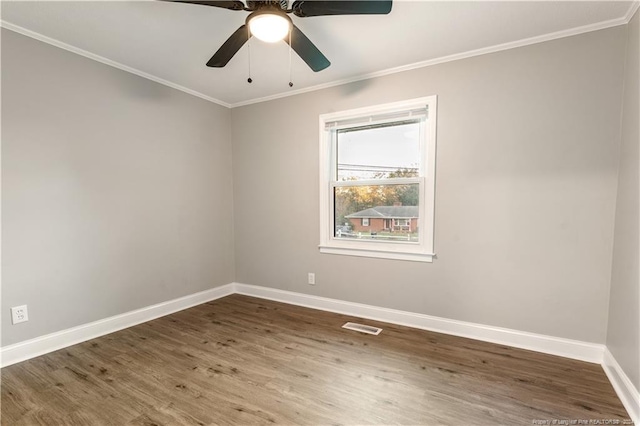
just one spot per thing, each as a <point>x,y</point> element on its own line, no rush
<point>385,212</point>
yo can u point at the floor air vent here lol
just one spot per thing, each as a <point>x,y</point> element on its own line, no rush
<point>362,328</point>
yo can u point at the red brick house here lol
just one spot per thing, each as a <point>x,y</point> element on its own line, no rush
<point>385,219</point>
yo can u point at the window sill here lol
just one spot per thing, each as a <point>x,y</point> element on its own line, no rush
<point>380,254</point>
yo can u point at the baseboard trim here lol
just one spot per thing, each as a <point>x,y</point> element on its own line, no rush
<point>623,386</point>
<point>575,349</point>
<point>32,348</point>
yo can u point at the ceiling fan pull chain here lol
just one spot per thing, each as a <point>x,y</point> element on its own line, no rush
<point>290,71</point>
<point>249,80</point>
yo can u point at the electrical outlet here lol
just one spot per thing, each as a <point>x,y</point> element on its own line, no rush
<point>19,314</point>
<point>312,278</point>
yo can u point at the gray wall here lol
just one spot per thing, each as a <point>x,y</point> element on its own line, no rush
<point>116,191</point>
<point>527,162</point>
<point>623,333</point>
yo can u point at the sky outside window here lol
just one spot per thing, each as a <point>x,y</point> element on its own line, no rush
<point>373,153</point>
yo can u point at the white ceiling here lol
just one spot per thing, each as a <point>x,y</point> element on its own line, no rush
<point>171,42</point>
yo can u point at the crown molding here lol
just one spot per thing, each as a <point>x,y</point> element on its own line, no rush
<point>632,11</point>
<point>633,8</point>
<point>40,37</point>
<point>455,57</point>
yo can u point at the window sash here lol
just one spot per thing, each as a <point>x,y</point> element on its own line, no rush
<point>328,125</point>
<point>376,182</point>
<point>423,164</point>
<point>374,120</point>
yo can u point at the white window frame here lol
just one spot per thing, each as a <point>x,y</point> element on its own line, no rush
<point>365,221</point>
<point>422,251</point>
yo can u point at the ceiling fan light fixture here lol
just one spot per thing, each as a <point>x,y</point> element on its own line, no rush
<point>269,26</point>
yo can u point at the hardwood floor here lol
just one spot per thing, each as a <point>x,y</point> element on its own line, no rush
<point>241,360</point>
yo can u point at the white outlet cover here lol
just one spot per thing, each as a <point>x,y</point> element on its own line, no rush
<point>19,314</point>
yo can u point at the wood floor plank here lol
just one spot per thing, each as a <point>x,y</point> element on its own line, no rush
<point>242,360</point>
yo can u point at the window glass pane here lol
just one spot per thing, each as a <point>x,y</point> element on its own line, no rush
<point>377,212</point>
<point>379,152</point>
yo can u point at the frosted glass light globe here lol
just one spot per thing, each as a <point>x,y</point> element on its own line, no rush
<point>269,27</point>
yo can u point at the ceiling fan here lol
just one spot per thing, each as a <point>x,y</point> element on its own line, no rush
<point>268,21</point>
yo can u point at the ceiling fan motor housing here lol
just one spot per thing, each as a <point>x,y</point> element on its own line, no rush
<point>275,4</point>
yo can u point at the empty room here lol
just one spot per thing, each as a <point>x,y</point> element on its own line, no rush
<point>320,212</point>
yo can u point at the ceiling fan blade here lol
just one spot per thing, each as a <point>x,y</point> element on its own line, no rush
<point>231,4</point>
<point>307,50</point>
<point>229,48</point>
<point>305,8</point>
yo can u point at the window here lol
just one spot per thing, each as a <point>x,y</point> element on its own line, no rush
<point>402,225</point>
<point>377,179</point>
